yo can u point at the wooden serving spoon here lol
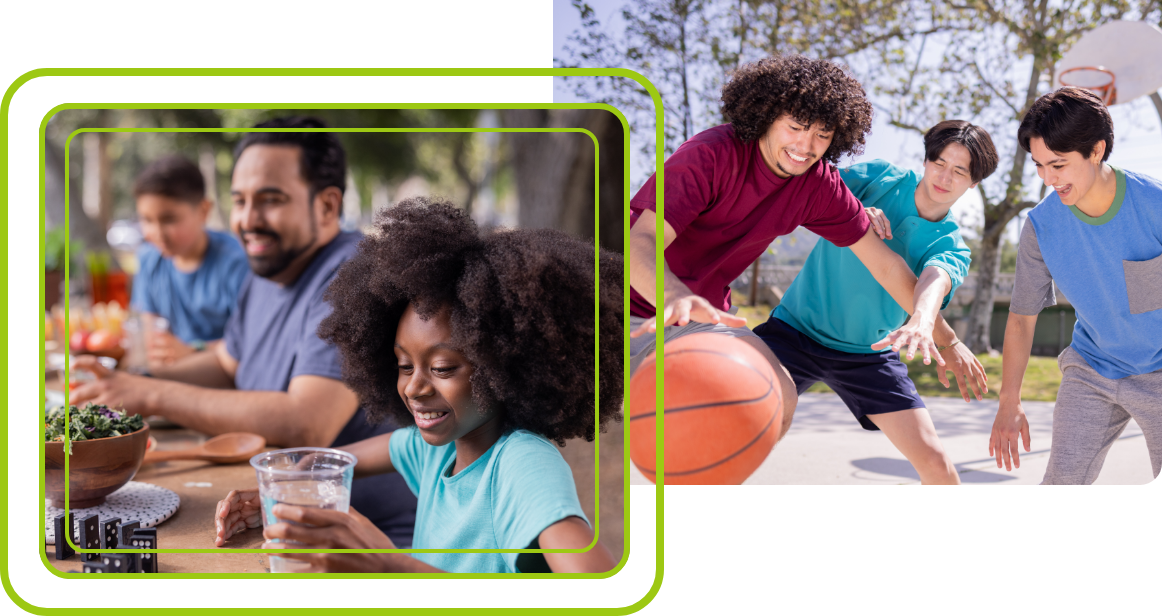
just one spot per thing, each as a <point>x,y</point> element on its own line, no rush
<point>226,448</point>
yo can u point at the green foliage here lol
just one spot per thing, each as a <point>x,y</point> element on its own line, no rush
<point>56,242</point>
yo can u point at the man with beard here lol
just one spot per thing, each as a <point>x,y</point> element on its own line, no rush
<point>273,375</point>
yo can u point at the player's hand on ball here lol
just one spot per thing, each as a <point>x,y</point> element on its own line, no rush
<point>1009,424</point>
<point>333,530</point>
<point>966,368</point>
<point>682,308</point>
<point>880,222</point>
<point>237,512</point>
<point>915,335</point>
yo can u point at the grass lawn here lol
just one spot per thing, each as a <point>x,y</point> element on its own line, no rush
<point>1042,378</point>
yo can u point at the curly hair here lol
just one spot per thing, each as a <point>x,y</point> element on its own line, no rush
<point>809,90</point>
<point>521,303</point>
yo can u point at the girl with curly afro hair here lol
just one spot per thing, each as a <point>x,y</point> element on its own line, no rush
<point>484,347</point>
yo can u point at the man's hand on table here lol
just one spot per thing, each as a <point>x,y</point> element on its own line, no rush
<point>330,530</point>
<point>239,511</point>
<point>112,388</point>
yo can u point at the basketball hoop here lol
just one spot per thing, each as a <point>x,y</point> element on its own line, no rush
<point>1096,79</point>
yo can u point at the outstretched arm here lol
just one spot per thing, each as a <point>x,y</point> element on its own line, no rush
<point>1010,422</point>
<point>894,275</point>
<point>309,414</point>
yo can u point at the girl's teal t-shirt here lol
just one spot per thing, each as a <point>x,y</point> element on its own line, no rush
<point>836,301</point>
<point>503,500</point>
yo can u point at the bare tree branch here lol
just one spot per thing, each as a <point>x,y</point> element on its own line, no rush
<point>989,83</point>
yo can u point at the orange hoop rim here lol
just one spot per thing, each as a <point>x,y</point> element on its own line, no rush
<point>1108,91</point>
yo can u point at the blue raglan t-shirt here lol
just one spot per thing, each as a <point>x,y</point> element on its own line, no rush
<point>1110,268</point>
<point>273,336</point>
<point>196,303</point>
<point>835,300</point>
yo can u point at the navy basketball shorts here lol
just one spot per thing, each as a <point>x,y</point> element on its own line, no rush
<point>868,383</point>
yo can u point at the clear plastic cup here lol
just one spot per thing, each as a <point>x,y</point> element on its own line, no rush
<point>305,477</point>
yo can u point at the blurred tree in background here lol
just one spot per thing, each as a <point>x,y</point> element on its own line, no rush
<point>543,179</point>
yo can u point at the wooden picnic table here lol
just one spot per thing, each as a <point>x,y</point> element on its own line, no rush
<point>200,485</point>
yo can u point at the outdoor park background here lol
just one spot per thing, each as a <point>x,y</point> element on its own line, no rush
<point>921,62</point>
<point>502,179</point>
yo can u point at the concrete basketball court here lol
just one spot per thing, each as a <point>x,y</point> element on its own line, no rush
<point>827,446</point>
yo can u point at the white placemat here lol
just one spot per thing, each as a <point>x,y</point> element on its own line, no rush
<point>149,504</point>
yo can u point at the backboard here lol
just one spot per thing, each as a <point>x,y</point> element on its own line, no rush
<point>1131,50</point>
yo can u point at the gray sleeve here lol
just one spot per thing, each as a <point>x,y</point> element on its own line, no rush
<point>1033,288</point>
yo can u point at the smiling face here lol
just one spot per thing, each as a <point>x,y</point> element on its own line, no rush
<point>175,227</point>
<point>434,379</point>
<point>273,214</point>
<point>1069,173</point>
<point>790,147</point>
<point>947,178</point>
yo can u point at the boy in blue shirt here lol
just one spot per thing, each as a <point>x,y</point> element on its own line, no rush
<point>188,275</point>
<point>1098,236</point>
<point>835,316</point>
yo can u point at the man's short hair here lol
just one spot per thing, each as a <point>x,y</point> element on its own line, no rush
<point>1069,120</point>
<point>974,138</point>
<point>322,162</point>
<point>174,177</point>
<point>809,90</point>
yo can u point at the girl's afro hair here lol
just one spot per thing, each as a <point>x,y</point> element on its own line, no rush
<point>521,303</point>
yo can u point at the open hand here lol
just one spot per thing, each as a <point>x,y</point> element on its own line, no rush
<point>966,368</point>
<point>915,335</point>
<point>689,307</point>
<point>1008,425</point>
<point>327,529</point>
<point>114,389</point>
<point>239,511</point>
<point>879,222</point>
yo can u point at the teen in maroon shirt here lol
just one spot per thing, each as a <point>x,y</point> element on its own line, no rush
<point>733,189</point>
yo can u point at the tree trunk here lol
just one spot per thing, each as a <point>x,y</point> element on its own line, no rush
<point>981,314</point>
<point>555,172</point>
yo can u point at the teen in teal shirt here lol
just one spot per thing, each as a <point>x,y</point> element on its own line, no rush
<point>835,320</point>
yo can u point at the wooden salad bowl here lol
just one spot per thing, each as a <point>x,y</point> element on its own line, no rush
<point>97,468</point>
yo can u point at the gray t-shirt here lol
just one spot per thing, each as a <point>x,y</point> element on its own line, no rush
<point>273,336</point>
<point>1033,289</point>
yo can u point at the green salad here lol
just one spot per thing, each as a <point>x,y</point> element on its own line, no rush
<point>89,422</point>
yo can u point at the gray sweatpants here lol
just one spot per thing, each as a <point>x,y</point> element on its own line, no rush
<point>1090,414</point>
<point>643,345</point>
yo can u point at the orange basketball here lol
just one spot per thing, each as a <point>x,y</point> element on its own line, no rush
<point>724,410</point>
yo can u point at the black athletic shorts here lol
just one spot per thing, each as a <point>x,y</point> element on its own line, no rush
<point>868,383</point>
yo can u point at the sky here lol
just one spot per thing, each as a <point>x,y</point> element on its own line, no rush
<point>1137,126</point>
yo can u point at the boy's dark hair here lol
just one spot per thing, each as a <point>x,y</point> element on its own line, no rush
<point>322,161</point>
<point>809,90</point>
<point>1069,120</point>
<point>974,138</point>
<point>521,307</point>
<point>174,177</point>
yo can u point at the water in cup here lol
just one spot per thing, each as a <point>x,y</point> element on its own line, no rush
<point>305,477</point>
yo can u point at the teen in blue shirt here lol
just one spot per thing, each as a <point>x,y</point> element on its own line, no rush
<point>187,274</point>
<point>1097,236</point>
<point>835,320</point>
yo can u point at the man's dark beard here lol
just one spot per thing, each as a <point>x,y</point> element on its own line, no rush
<point>268,266</point>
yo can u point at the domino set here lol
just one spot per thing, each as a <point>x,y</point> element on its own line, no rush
<point>109,534</point>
